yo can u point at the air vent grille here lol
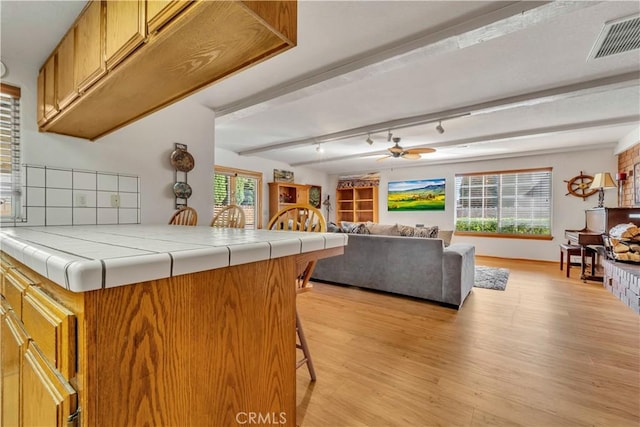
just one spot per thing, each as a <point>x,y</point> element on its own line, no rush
<point>621,35</point>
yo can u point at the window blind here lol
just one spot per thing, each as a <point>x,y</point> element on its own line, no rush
<point>9,152</point>
<point>505,202</point>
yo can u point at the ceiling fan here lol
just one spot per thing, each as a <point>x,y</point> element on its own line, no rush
<point>410,153</point>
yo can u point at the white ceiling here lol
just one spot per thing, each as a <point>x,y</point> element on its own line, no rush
<point>516,75</point>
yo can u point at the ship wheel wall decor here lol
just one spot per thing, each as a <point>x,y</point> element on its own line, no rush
<point>579,186</point>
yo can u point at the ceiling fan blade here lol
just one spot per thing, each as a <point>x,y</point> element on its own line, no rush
<point>420,150</point>
<point>382,158</point>
<point>395,149</point>
<point>411,156</point>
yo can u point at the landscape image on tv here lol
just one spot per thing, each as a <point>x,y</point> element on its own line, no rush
<point>416,195</point>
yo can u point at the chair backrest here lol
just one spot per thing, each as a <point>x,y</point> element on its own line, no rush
<point>184,216</point>
<point>299,217</point>
<point>231,216</point>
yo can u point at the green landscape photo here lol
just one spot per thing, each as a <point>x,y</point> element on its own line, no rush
<point>416,195</point>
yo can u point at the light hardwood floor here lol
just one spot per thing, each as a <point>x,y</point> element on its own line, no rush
<point>548,351</point>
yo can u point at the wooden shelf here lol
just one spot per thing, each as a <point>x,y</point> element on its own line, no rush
<point>359,204</point>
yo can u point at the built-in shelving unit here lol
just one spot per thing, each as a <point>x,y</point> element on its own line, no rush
<point>359,204</point>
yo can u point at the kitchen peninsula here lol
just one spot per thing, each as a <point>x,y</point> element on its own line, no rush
<point>151,325</point>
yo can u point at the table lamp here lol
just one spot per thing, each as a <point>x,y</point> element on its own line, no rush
<point>600,182</point>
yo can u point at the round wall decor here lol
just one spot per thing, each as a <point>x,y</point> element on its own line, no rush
<point>578,186</point>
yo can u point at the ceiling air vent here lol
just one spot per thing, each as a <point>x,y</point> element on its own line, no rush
<point>621,35</point>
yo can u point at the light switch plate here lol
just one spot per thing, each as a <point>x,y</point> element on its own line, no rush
<point>115,201</point>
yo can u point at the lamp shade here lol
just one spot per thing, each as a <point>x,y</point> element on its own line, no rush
<point>602,180</point>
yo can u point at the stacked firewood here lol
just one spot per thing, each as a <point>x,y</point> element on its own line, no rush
<point>624,242</point>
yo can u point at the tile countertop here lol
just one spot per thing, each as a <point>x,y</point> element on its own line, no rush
<point>89,257</point>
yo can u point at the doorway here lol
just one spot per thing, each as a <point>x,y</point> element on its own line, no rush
<point>239,187</point>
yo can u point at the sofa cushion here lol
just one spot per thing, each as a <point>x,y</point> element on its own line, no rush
<point>406,230</point>
<point>332,227</point>
<point>446,236</point>
<point>382,229</point>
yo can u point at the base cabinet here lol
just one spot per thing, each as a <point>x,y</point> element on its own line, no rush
<point>190,350</point>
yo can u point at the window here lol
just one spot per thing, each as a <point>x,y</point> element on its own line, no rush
<point>9,153</point>
<point>508,203</point>
<point>239,187</point>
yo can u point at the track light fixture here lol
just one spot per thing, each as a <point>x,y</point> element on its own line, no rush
<point>320,148</point>
<point>439,128</point>
<point>389,136</point>
<point>369,140</point>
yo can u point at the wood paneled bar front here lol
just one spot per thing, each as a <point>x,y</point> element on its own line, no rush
<point>204,348</point>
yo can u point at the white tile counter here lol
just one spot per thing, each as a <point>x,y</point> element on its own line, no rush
<point>85,258</point>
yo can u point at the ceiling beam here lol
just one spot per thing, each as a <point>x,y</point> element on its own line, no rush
<point>512,17</point>
<point>527,133</point>
<point>528,99</point>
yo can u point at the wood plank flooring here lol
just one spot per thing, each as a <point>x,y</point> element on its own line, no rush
<point>548,351</point>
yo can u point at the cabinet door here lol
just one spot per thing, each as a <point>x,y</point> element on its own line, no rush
<point>40,100</point>
<point>50,104</point>
<point>13,341</point>
<point>159,12</point>
<point>303,195</point>
<point>47,397</point>
<point>90,62</point>
<point>15,285</point>
<point>65,80</point>
<point>52,327</point>
<point>125,29</point>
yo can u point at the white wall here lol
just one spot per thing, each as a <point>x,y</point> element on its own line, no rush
<point>256,164</point>
<point>568,211</point>
<point>142,148</point>
<point>629,140</point>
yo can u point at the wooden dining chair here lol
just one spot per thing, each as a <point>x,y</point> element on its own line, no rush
<point>301,217</point>
<point>231,216</point>
<point>184,216</point>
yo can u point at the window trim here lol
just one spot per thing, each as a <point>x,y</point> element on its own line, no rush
<point>507,235</point>
<point>16,159</point>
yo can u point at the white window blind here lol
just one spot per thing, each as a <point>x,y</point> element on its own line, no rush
<point>509,202</point>
<point>9,152</point>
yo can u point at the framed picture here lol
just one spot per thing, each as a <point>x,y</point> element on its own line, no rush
<point>636,184</point>
<point>315,196</point>
<point>416,195</point>
<point>280,175</point>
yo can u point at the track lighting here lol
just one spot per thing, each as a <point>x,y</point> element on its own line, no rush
<point>369,140</point>
<point>439,128</point>
<point>320,148</point>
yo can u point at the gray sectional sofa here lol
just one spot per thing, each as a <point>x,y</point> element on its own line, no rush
<point>412,266</point>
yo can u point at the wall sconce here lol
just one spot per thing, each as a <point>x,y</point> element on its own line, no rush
<point>600,182</point>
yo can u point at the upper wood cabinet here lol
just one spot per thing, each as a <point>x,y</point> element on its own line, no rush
<point>89,56</point>
<point>50,105</point>
<point>189,46</point>
<point>159,12</point>
<point>65,74</point>
<point>125,29</point>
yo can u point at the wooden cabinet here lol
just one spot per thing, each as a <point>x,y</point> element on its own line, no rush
<point>89,55</point>
<point>359,204</point>
<point>125,29</point>
<point>38,356</point>
<point>283,194</point>
<point>65,74</point>
<point>123,73</point>
<point>50,106</point>
<point>159,12</point>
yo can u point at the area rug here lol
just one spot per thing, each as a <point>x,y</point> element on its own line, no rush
<point>491,278</point>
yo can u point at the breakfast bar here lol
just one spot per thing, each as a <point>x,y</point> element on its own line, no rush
<point>151,325</point>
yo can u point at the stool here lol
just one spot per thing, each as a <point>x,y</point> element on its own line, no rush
<point>575,250</point>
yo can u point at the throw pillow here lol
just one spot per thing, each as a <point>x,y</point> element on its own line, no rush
<point>383,229</point>
<point>429,232</point>
<point>354,227</point>
<point>445,235</point>
<point>407,230</point>
<point>332,227</point>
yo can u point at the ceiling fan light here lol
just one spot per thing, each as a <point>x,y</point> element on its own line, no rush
<point>439,128</point>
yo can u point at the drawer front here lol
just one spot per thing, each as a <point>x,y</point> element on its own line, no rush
<point>48,398</point>
<point>52,327</point>
<point>15,285</point>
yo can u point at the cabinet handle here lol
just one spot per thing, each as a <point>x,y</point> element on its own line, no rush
<point>73,419</point>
